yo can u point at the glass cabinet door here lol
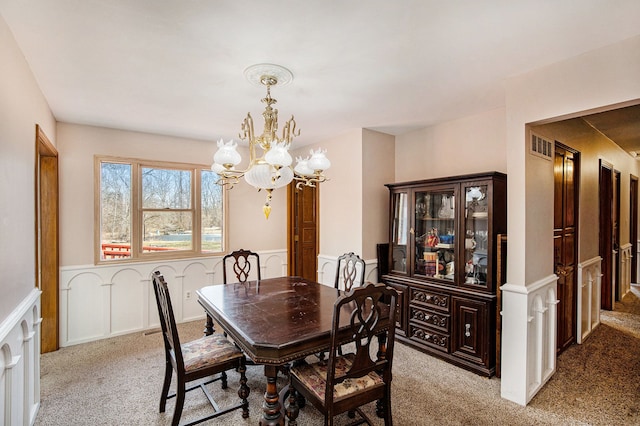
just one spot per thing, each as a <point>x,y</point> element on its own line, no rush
<point>476,229</point>
<point>399,232</point>
<point>435,233</point>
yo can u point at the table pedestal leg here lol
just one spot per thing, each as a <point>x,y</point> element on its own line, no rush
<point>272,408</point>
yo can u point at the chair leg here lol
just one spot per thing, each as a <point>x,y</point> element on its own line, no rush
<point>383,408</point>
<point>387,409</point>
<point>180,393</point>
<point>243,391</point>
<point>223,379</point>
<point>168,372</point>
<point>291,408</point>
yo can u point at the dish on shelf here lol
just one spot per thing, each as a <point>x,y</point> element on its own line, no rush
<point>480,214</point>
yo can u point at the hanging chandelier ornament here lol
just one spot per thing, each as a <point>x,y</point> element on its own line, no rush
<point>269,159</point>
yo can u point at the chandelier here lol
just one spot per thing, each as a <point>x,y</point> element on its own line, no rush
<point>269,159</point>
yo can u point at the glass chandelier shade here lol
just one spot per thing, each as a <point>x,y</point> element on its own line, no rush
<point>269,159</point>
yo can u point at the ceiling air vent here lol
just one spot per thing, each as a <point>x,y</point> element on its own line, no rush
<point>541,147</point>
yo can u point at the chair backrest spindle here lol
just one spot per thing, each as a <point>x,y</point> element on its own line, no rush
<point>350,267</point>
<point>242,263</point>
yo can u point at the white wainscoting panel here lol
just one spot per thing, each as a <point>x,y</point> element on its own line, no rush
<point>625,269</point>
<point>542,332</point>
<point>100,301</point>
<point>529,319</point>
<point>589,285</point>
<point>327,270</point>
<point>20,363</point>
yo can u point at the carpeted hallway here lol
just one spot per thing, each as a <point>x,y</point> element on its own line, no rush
<point>117,381</point>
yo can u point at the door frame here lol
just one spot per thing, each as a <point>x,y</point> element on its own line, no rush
<point>633,226</point>
<point>616,235</point>
<point>605,243</point>
<point>47,239</point>
<point>573,285</point>
<point>293,246</point>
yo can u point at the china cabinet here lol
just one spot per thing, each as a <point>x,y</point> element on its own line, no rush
<point>442,258</point>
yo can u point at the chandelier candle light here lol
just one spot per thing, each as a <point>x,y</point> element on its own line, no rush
<point>272,169</point>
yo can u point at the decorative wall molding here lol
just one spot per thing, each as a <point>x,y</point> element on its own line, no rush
<point>589,285</point>
<point>20,362</point>
<point>528,359</point>
<point>101,301</point>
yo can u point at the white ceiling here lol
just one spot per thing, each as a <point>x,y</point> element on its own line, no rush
<point>176,67</point>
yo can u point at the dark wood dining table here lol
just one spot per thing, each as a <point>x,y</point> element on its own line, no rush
<point>274,321</point>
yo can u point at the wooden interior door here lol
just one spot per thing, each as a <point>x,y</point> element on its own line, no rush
<point>606,233</point>
<point>633,226</point>
<point>47,259</point>
<point>565,240</point>
<point>303,231</point>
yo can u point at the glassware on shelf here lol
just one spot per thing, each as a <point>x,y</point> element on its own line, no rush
<point>476,234</point>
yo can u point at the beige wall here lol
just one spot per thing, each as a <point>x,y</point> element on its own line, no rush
<point>471,144</point>
<point>341,196</point>
<point>595,79</point>
<point>378,160</point>
<point>354,201</point>
<point>22,106</point>
<point>593,146</point>
<point>565,89</point>
<point>78,144</point>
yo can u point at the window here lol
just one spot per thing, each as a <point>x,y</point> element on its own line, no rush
<point>157,210</point>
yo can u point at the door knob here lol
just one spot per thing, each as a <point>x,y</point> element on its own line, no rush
<point>561,271</point>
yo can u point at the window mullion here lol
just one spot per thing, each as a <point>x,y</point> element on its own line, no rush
<point>136,243</point>
<point>197,210</point>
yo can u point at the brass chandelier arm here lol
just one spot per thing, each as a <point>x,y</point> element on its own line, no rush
<point>311,181</point>
<point>246,129</point>
<point>289,131</point>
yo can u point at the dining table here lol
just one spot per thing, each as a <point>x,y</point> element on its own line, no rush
<point>274,321</point>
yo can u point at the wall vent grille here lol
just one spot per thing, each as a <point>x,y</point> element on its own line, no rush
<point>540,147</point>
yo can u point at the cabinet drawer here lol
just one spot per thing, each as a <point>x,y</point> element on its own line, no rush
<point>428,337</point>
<point>429,318</point>
<point>429,299</point>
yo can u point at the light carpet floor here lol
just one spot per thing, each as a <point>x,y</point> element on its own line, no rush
<point>117,381</point>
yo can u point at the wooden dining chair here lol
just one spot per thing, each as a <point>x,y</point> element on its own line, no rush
<point>343,383</point>
<point>199,359</point>
<point>350,268</point>
<point>240,261</point>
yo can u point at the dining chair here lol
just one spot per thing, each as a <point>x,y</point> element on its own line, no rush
<point>344,383</point>
<point>350,268</point>
<point>240,261</point>
<point>199,359</point>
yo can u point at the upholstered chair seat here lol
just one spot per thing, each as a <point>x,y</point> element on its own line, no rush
<point>314,376</point>
<point>208,351</point>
